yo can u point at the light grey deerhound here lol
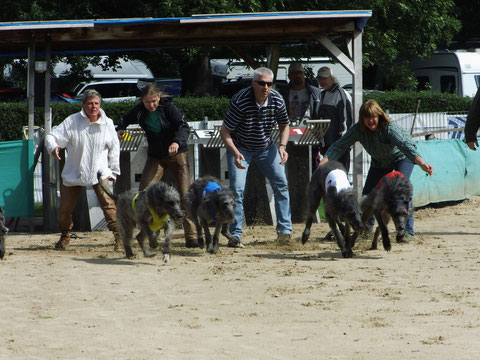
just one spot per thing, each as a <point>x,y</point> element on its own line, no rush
<point>150,210</point>
<point>341,207</point>
<point>390,199</point>
<point>3,232</point>
<point>209,204</point>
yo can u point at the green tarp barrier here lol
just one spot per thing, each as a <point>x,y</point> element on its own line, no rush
<point>456,173</point>
<point>16,180</point>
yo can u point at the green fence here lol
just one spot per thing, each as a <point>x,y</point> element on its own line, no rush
<point>16,180</point>
<point>456,172</point>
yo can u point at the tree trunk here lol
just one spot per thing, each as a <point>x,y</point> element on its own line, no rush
<point>196,76</point>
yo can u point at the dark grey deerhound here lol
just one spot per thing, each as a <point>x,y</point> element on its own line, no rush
<point>3,232</point>
<point>210,204</point>
<point>341,207</point>
<point>150,210</point>
<point>390,199</point>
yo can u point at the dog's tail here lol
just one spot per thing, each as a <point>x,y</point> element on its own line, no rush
<point>105,189</point>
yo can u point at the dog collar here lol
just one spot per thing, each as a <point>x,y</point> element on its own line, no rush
<point>390,176</point>
<point>211,187</point>
<point>157,221</point>
<point>338,179</point>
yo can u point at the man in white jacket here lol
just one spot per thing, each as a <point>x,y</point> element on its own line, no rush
<point>92,146</point>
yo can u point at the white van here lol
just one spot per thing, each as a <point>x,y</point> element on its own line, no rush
<point>238,69</point>
<point>127,69</point>
<point>456,72</point>
<point>111,90</point>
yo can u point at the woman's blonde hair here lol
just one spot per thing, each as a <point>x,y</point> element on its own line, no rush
<point>152,89</point>
<point>369,109</point>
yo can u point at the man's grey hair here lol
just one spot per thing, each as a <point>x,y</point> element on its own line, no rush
<point>90,93</point>
<point>262,71</point>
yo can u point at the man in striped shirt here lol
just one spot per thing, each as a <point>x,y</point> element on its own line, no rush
<point>247,134</point>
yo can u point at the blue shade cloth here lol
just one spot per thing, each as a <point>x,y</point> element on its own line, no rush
<point>456,172</point>
<point>16,180</point>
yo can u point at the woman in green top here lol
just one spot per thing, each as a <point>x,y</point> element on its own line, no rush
<point>167,134</point>
<point>390,148</point>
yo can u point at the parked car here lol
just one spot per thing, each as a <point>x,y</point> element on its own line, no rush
<point>456,72</point>
<point>12,94</point>
<point>128,89</point>
<point>19,94</point>
<point>111,90</point>
<point>170,86</point>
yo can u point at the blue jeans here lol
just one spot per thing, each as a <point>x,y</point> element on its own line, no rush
<point>268,161</point>
<point>405,166</point>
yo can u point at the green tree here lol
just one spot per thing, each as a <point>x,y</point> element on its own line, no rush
<point>398,30</point>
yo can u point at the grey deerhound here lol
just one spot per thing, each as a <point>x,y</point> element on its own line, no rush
<point>341,207</point>
<point>390,199</point>
<point>209,204</point>
<point>150,210</point>
<point>3,232</point>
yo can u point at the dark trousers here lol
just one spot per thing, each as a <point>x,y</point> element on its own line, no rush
<point>154,169</point>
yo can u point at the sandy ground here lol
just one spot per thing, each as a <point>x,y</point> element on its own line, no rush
<point>419,301</point>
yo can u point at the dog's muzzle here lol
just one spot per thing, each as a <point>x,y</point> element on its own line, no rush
<point>177,215</point>
<point>3,230</point>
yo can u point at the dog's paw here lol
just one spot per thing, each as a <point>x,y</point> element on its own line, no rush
<point>304,238</point>
<point>149,254</point>
<point>387,246</point>
<point>211,249</point>
<point>2,254</point>
<point>193,243</point>
<point>129,253</point>
<point>166,258</point>
<point>347,253</point>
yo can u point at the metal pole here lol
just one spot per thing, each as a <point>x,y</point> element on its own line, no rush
<point>415,117</point>
<point>49,166</point>
<point>357,102</point>
<point>48,118</point>
<point>31,86</point>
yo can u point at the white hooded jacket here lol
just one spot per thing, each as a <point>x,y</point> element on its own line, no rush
<point>91,148</point>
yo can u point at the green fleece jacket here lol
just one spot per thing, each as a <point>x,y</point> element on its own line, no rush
<point>386,145</point>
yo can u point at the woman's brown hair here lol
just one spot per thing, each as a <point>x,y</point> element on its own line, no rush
<point>369,109</point>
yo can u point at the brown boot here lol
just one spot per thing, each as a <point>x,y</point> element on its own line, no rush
<point>63,242</point>
<point>118,243</point>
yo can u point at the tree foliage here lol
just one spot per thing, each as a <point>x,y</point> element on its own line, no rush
<point>398,30</point>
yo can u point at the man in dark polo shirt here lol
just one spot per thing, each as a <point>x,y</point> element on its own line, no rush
<point>247,134</point>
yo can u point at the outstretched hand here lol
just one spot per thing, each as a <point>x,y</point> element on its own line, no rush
<point>427,168</point>
<point>473,145</point>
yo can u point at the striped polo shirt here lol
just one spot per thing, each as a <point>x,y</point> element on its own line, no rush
<point>386,145</point>
<point>251,125</point>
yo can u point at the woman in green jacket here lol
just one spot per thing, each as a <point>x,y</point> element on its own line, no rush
<point>389,146</point>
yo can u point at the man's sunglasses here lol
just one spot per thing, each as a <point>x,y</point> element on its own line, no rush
<point>263,83</point>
